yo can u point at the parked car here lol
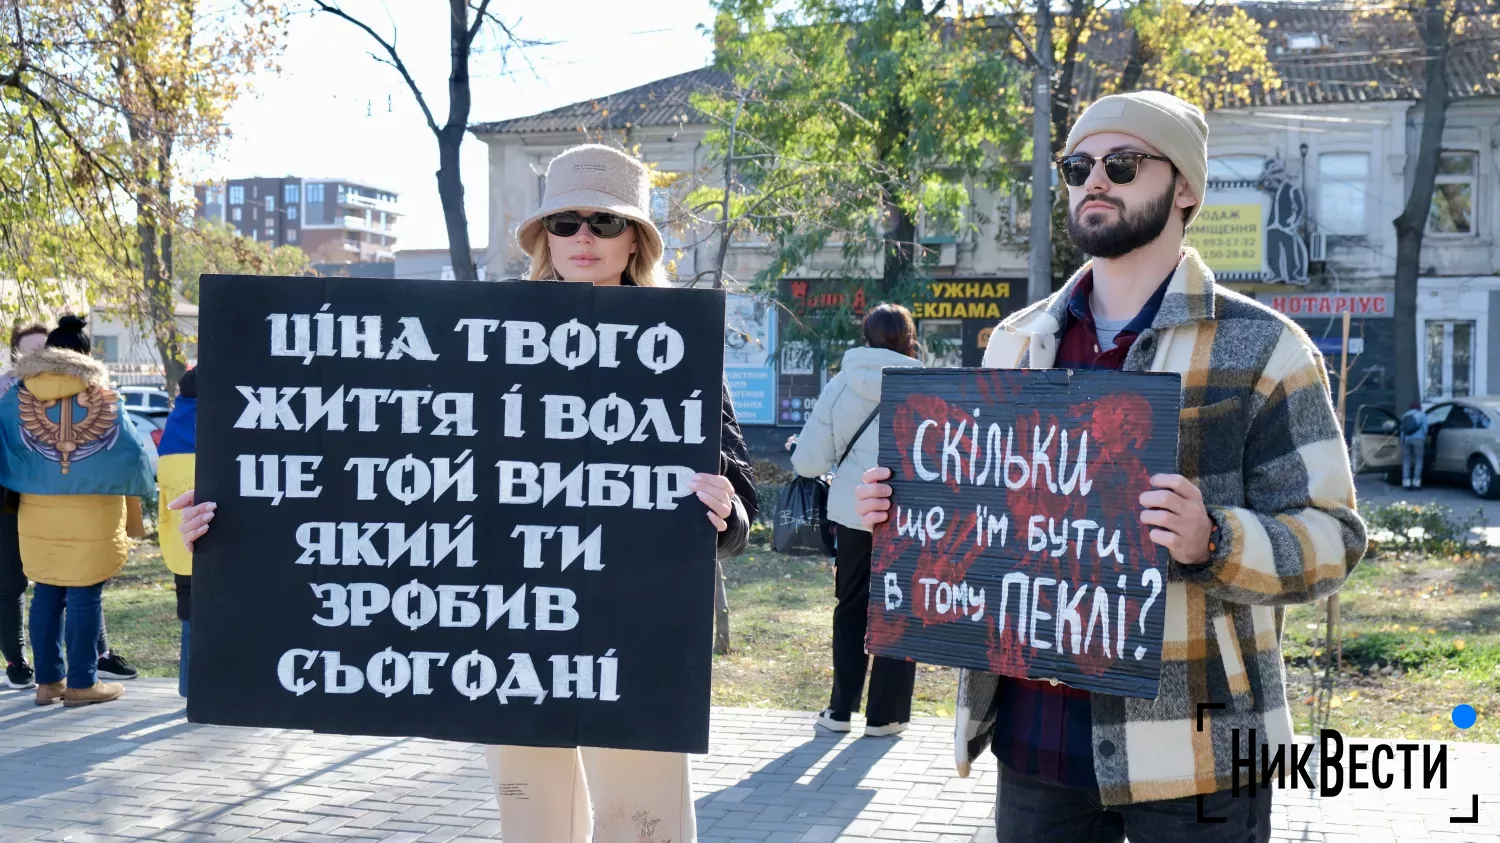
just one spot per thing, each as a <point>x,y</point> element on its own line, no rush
<point>146,398</point>
<point>1463,443</point>
<point>152,423</point>
<point>141,428</point>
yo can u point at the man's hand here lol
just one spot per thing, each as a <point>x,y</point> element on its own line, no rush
<point>872,499</point>
<point>1180,522</point>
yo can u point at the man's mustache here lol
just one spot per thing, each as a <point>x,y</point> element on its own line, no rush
<point>1117,204</point>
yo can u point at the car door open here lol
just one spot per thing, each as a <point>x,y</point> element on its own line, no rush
<point>1377,441</point>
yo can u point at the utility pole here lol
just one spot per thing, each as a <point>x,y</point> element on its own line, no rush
<point>1040,284</point>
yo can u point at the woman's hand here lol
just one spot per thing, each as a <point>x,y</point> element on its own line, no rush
<point>717,493</point>
<point>791,442</point>
<point>195,519</point>
<point>872,498</point>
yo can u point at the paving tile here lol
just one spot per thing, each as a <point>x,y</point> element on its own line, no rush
<point>135,770</point>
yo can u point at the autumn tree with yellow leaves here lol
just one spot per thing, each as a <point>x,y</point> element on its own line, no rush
<point>101,101</point>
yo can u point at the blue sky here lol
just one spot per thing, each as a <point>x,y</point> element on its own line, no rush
<point>333,111</point>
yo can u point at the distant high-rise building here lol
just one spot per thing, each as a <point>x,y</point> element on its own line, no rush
<point>333,220</point>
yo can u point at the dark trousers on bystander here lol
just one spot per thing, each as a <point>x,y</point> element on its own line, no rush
<point>1029,810</point>
<point>66,619</point>
<point>891,680</point>
<point>12,585</point>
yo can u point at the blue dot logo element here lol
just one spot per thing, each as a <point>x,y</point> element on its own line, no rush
<point>1464,716</point>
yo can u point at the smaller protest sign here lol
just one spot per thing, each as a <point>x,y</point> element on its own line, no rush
<point>1014,543</point>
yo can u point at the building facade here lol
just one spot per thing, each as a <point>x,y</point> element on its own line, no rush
<point>129,352</point>
<point>1302,194</point>
<point>332,220</point>
<point>434,264</point>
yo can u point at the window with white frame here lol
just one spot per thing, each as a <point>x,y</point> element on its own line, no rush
<point>270,204</point>
<point>942,343</point>
<point>661,214</point>
<point>1343,179</point>
<point>1453,199</point>
<point>238,214</point>
<point>289,194</point>
<point>315,193</point>
<point>1236,167</point>
<point>106,348</point>
<point>1448,359</point>
<point>237,195</point>
<point>661,205</point>
<point>291,213</point>
<point>291,235</point>
<point>934,226</point>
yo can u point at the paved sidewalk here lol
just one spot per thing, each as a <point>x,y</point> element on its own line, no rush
<point>137,770</point>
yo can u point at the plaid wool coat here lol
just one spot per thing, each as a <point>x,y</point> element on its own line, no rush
<point>1259,437</point>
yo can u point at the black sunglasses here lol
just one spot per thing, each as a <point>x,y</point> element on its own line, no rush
<point>567,223</point>
<point>1119,167</point>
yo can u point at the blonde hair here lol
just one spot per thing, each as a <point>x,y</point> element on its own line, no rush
<point>642,270</point>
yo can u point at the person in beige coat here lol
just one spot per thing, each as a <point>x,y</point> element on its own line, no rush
<point>844,421</point>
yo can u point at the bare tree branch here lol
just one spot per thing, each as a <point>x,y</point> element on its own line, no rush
<point>395,58</point>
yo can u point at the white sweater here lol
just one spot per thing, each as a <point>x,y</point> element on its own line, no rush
<point>844,405</point>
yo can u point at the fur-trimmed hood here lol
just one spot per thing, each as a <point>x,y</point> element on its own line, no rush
<point>53,373</point>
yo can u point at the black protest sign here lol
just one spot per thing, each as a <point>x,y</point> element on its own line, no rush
<point>457,510</point>
<point>1014,543</point>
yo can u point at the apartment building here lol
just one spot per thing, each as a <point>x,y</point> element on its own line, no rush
<point>335,221</point>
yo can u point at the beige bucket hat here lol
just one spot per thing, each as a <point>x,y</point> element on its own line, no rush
<point>594,177</point>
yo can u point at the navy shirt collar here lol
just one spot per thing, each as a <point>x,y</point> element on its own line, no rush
<point>1080,309</point>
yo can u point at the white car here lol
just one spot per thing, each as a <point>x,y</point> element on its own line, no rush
<point>147,399</point>
<point>1463,443</point>
<point>141,429</point>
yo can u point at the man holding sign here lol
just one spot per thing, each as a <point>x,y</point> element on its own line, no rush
<point>1260,512</point>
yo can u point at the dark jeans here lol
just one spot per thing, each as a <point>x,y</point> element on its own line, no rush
<point>13,586</point>
<point>184,614</point>
<point>80,604</point>
<point>182,659</point>
<point>1028,810</point>
<point>891,680</point>
<point>12,590</point>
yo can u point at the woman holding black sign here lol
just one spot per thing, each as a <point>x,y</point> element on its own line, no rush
<point>598,230</point>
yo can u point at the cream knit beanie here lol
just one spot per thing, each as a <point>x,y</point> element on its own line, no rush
<point>1172,125</point>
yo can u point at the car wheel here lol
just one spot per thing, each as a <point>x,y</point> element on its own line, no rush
<point>1482,479</point>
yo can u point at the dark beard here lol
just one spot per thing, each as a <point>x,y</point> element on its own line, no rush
<point>1132,231</point>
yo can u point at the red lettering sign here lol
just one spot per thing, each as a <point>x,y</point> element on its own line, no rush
<point>1331,304</point>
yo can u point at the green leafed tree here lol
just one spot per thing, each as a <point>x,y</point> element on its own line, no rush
<point>99,102</point>
<point>844,125</point>
<point>214,248</point>
<point>1212,53</point>
<point>63,162</point>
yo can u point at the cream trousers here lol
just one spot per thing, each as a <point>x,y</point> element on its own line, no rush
<point>545,795</point>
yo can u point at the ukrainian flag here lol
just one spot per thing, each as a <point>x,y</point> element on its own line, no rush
<point>174,475</point>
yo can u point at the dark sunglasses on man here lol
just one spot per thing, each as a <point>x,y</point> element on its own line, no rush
<point>1119,167</point>
<point>567,223</point>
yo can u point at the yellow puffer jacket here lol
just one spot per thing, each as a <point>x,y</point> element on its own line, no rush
<point>75,539</point>
<point>72,540</point>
